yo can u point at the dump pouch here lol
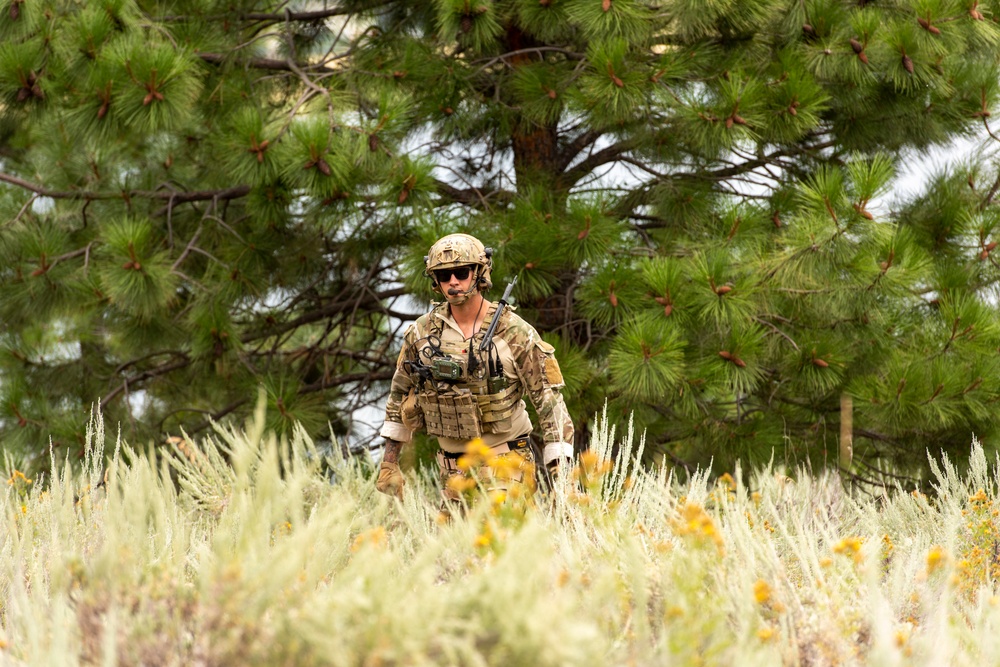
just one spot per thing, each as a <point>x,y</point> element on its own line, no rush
<point>411,413</point>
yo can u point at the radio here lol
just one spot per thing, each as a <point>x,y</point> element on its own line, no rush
<point>446,369</point>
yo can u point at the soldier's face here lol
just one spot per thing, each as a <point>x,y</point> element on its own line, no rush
<point>456,283</point>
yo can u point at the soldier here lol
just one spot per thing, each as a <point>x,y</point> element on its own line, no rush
<point>448,386</point>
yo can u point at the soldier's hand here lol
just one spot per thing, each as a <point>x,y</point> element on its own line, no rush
<point>390,480</point>
<point>559,468</point>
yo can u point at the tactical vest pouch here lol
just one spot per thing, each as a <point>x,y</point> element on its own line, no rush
<point>498,408</point>
<point>450,415</point>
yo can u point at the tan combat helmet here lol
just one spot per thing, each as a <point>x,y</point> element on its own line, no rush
<point>460,250</point>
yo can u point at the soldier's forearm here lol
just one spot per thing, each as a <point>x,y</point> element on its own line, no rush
<point>392,448</point>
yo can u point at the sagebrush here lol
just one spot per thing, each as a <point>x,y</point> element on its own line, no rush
<point>246,549</point>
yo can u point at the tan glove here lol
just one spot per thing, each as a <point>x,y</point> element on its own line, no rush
<point>390,480</point>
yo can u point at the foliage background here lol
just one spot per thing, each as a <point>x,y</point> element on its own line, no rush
<point>201,198</point>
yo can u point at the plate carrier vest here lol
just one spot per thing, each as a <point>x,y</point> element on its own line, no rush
<point>463,408</point>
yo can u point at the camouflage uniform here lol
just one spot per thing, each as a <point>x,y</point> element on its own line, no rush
<point>474,395</point>
<point>529,366</point>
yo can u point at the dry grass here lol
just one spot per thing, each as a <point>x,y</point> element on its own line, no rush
<point>184,559</point>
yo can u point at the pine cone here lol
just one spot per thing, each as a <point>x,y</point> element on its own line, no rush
<point>606,5</point>
<point>466,24</point>
<point>926,25</point>
<point>857,46</point>
<point>907,63</point>
<point>862,212</point>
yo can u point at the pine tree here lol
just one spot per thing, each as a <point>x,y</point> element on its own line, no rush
<point>203,197</point>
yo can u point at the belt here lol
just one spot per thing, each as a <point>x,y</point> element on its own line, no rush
<point>518,443</point>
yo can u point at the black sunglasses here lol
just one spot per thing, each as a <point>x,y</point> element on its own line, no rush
<point>460,272</point>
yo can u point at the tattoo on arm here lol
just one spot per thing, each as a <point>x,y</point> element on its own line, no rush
<point>391,454</point>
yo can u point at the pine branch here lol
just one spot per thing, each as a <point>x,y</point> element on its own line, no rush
<point>307,389</point>
<point>750,165</point>
<point>487,63</point>
<point>262,63</point>
<point>236,192</point>
<point>990,195</point>
<point>604,156</point>
<point>182,362</point>
<point>368,300</point>
<point>361,376</point>
<point>471,196</point>
<point>279,17</point>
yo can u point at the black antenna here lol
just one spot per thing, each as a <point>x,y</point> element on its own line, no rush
<point>488,338</point>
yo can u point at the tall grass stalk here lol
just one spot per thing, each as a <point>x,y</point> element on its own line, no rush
<point>238,550</point>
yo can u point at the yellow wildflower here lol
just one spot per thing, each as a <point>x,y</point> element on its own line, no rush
<point>979,497</point>
<point>761,591</point>
<point>850,546</point>
<point>485,538</point>
<point>461,483</point>
<point>376,537</point>
<point>510,466</point>
<point>936,557</point>
<point>765,634</point>
<point>673,612</point>
<point>696,522</point>
<point>17,476</point>
<point>476,454</point>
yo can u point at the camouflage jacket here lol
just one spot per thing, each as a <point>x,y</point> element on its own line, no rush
<point>529,364</point>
